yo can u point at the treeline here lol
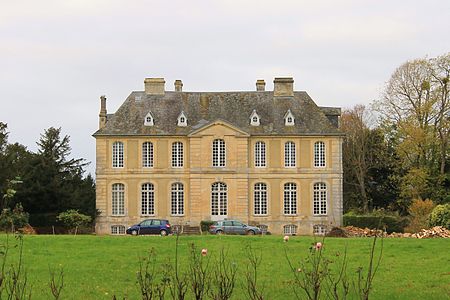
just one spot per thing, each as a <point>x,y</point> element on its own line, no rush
<point>46,182</point>
<point>396,152</point>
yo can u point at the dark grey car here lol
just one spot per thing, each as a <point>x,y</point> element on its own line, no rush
<point>233,227</point>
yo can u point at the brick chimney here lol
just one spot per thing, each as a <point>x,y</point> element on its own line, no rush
<point>154,86</point>
<point>283,87</point>
<point>102,115</point>
<point>178,85</point>
<point>260,85</point>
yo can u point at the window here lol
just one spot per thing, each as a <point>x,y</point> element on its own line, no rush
<point>147,155</point>
<point>320,229</point>
<point>319,154</point>
<point>218,155</point>
<point>289,119</point>
<point>289,154</point>
<point>219,199</point>
<point>264,228</point>
<point>177,155</point>
<point>117,229</point>
<point>260,197</point>
<point>290,199</point>
<point>177,199</point>
<point>290,229</point>
<point>118,199</point>
<point>182,119</point>
<point>254,118</point>
<point>320,199</point>
<point>147,199</point>
<point>117,155</point>
<point>148,121</point>
<point>260,154</point>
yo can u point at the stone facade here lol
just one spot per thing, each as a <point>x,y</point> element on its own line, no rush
<point>239,174</point>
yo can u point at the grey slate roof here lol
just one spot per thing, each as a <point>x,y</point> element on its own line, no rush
<point>203,108</point>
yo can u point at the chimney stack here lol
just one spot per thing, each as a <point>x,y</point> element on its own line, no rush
<point>283,87</point>
<point>102,115</point>
<point>178,86</point>
<point>154,86</point>
<point>260,85</point>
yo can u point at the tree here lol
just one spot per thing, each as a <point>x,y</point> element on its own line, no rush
<point>73,219</point>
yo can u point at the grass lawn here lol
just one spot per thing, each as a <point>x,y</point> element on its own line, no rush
<point>98,267</point>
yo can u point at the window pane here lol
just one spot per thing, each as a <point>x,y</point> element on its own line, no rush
<point>117,155</point>
<point>147,155</point>
<point>320,199</point>
<point>290,199</point>
<point>218,153</point>
<point>177,155</point>
<point>177,199</point>
<point>319,154</point>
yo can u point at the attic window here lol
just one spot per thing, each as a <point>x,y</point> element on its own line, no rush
<point>149,121</point>
<point>289,119</point>
<point>182,119</point>
<point>254,118</point>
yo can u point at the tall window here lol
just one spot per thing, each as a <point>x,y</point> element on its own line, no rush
<point>260,198</point>
<point>218,155</point>
<point>260,154</point>
<point>147,155</point>
<point>319,154</point>
<point>219,199</point>
<point>117,155</point>
<point>177,155</point>
<point>289,154</point>
<point>147,199</point>
<point>320,199</point>
<point>177,199</point>
<point>290,199</point>
<point>118,199</point>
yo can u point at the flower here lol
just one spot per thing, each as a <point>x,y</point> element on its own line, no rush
<point>286,238</point>
<point>318,246</point>
<point>299,270</point>
<point>204,252</point>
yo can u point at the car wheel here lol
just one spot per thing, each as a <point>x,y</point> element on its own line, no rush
<point>250,232</point>
<point>134,232</point>
<point>163,232</point>
<point>219,232</point>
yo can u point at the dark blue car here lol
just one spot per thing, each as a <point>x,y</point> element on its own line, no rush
<point>151,226</point>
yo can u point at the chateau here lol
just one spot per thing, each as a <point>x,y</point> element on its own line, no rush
<point>267,158</point>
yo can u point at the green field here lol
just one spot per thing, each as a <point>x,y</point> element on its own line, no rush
<point>98,267</point>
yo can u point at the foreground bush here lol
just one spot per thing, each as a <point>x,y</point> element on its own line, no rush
<point>10,220</point>
<point>419,212</point>
<point>392,223</point>
<point>440,216</point>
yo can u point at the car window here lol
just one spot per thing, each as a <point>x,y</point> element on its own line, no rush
<point>156,222</point>
<point>146,223</point>
<point>235,223</point>
<point>227,223</point>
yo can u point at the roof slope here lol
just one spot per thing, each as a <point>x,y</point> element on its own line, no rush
<point>203,108</point>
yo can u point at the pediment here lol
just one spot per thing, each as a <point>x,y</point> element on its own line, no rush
<point>219,127</point>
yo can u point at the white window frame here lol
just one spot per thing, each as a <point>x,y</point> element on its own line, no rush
<point>219,199</point>
<point>177,199</point>
<point>254,115</point>
<point>147,199</point>
<point>219,153</point>
<point>290,195</point>
<point>118,154</point>
<point>260,201</point>
<point>182,120</point>
<point>290,229</point>
<point>118,230</point>
<point>149,120</point>
<point>289,119</point>
<point>319,154</point>
<point>118,199</point>
<point>320,199</point>
<point>177,154</point>
<point>320,229</point>
<point>147,155</point>
<point>290,160</point>
<point>260,154</point>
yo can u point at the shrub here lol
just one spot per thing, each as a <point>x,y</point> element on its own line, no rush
<point>205,225</point>
<point>43,220</point>
<point>11,220</point>
<point>419,212</point>
<point>73,219</point>
<point>392,223</point>
<point>440,216</point>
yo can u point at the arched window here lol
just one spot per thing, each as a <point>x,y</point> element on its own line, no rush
<point>260,198</point>
<point>147,155</point>
<point>260,154</point>
<point>290,198</point>
<point>117,155</point>
<point>147,199</point>
<point>177,199</point>
<point>177,155</point>
<point>319,154</point>
<point>290,229</point>
<point>320,199</point>
<point>218,153</point>
<point>219,199</point>
<point>118,199</point>
<point>289,154</point>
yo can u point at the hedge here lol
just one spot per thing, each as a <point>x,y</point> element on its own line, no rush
<point>205,225</point>
<point>391,223</point>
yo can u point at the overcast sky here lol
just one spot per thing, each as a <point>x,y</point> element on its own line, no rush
<point>57,57</point>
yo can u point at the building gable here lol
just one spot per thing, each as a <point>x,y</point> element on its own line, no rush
<point>218,128</point>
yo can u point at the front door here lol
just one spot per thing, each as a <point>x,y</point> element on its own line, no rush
<point>219,205</point>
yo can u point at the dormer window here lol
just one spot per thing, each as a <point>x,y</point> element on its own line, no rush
<point>254,118</point>
<point>149,121</point>
<point>289,119</point>
<point>182,119</point>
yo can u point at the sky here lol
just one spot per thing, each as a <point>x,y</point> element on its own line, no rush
<point>57,57</point>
